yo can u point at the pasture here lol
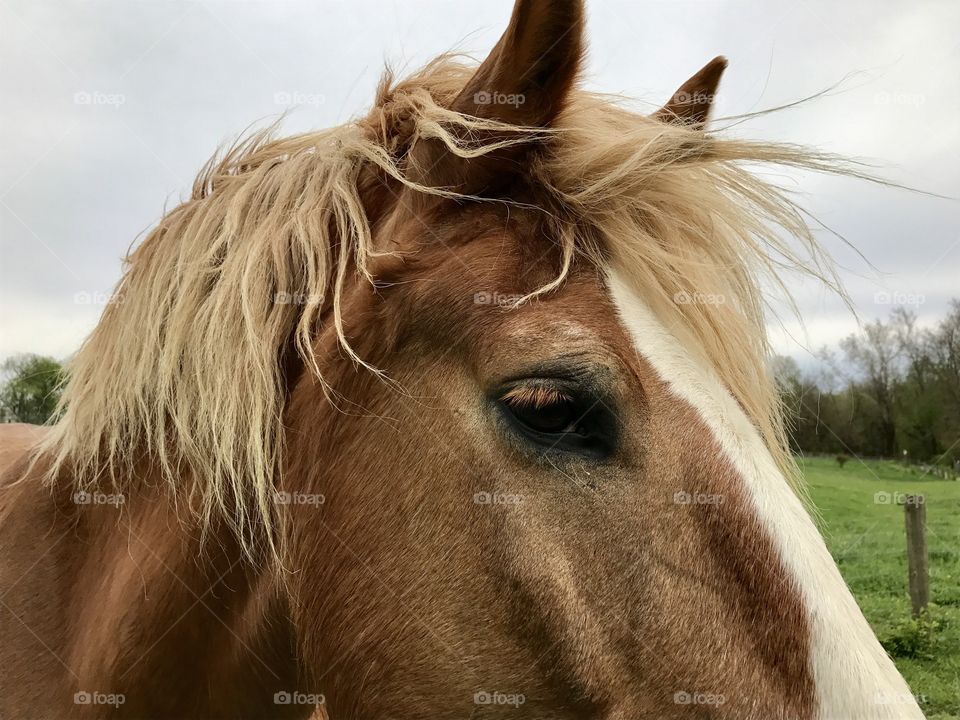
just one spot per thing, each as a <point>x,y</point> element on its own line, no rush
<point>864,529</point>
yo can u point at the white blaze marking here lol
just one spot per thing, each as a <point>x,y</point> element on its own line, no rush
<point>854,677</point>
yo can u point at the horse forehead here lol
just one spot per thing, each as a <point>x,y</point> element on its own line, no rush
<point>578,318</point>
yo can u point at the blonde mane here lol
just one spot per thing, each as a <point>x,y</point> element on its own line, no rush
<point>184,367</point>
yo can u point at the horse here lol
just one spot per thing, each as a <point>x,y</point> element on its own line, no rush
<point>458,410</point>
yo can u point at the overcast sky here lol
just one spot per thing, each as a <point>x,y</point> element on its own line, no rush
<point>110,107</point>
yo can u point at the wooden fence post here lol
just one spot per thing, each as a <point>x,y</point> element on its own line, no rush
<point>916,518</point>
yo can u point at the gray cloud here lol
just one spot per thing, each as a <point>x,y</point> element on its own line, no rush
<point>110,107</point>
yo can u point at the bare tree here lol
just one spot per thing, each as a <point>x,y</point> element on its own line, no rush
<point>915,347</point>
<point>945,349</point>
<point>30,388</point>
<point>876,356</point>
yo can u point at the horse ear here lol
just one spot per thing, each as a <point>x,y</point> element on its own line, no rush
<point>532,68</point>
<point>524,81</point>
<point>690,105</point>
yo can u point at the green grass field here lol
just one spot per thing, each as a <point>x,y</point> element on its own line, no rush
<point>865,533</point>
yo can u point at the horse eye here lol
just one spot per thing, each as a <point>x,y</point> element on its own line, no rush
<point>557,417</point>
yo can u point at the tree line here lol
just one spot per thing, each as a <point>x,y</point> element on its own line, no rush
<point>891,390</point>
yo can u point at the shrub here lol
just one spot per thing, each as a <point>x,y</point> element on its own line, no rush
<point>914,637</point>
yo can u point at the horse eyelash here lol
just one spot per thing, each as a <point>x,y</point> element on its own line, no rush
<point>534,397</point>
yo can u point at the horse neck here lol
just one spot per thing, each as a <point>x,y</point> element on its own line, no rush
<point>180,625</point>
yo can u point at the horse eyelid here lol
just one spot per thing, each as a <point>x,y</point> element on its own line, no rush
<point>534,397</point>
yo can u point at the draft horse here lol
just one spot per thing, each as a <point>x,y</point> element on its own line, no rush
<point>459,410</point>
